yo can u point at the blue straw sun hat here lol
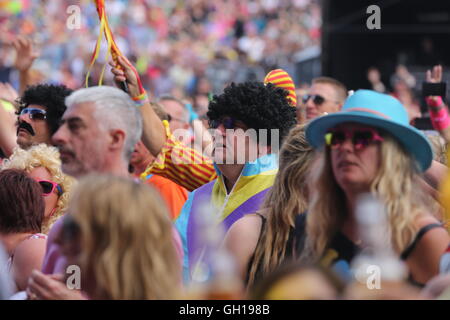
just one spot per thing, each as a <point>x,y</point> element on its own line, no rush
<point>380,111</point>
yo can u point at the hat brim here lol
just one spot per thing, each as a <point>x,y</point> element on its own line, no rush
<point>409,137</point>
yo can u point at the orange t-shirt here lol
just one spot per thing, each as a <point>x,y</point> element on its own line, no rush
<point>174,194</point>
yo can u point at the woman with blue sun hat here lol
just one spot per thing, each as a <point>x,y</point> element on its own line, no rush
<point>369,147</point>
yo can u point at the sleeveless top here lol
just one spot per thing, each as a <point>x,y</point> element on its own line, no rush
<point>294,245</point>
<point>31,237</point>
<point>339,253</point>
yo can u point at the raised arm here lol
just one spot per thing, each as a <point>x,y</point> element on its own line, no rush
<point>174,160</point>
<point>154,135</point>
<point>7,130</point>
<point>436,105</point>
<point>26,54</point>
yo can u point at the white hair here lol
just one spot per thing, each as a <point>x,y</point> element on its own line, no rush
<point>113,110</point>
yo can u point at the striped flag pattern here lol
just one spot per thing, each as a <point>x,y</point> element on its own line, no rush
<point>282,79</point>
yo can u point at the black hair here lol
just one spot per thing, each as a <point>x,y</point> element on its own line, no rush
<point>257,105</point>
<point>49,96</point>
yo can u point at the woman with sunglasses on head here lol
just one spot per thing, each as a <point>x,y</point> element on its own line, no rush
<point>369,147</point>
<point>42,163</point>
<point>21,216</point>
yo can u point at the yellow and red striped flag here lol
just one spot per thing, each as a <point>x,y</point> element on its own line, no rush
<point>282,79</point>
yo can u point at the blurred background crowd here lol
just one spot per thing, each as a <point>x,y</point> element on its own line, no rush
<point>179,47</point>
<point>186,53</point>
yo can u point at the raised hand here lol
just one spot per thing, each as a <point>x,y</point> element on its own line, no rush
<point>125,71</point>
<point>26,54</point>
<point>434,75</point>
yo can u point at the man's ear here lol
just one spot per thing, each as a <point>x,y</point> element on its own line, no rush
<point>117,139</point>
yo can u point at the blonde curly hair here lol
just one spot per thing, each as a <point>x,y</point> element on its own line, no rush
<point>45,156</point>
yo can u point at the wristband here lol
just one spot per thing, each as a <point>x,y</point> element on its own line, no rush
<point>141,99</point>
<point>440,119</point>
<point>434,102</point>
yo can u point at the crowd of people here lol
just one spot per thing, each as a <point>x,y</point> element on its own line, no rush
<point>247,189</point>
<point>177,46</point>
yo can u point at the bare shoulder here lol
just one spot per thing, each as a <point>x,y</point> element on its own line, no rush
<point>426,219</point>
<point>29,255</point>
<point>242,238</point>
<point>432,235</point>
<point>250,223</point>
<point>425,257</point>
<point>434,241</point>
<point>30,248</point>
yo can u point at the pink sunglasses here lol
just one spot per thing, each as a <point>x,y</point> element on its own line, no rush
<point>48,187</point>
<point>360,138</point>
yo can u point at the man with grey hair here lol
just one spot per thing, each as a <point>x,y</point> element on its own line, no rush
<point>98,132</point>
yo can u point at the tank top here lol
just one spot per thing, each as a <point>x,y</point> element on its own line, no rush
<point>340,252</point>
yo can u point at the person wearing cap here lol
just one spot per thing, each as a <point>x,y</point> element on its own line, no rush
<point>369,147</point>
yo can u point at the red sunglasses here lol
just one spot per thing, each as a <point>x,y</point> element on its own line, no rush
<point>48,187</point>
<point>360,138</point>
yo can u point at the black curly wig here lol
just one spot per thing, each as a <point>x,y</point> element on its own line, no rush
<point>258,105</point>
<point>49,96</point>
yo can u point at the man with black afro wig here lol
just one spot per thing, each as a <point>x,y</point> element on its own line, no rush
<point>246,117</point>
<point>40,111</point>
<point>257,105</point>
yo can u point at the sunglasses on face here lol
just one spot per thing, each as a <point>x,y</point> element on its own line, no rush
<point>228,123</point>
<point>34,113</point>
<point>317,99</point>
<point>48,187</point>
<point>360,138</point>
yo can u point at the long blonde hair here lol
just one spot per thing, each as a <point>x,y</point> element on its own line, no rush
<point>127,243</point>
<point>286,199</point>
<point>45,156</point>
<point>395,184</point>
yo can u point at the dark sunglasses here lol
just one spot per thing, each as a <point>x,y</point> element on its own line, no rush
<point>48,187</point>
<point>317,99</point>
<point>228,123</point>
<point>34,113</point>
<point>360,138</point>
